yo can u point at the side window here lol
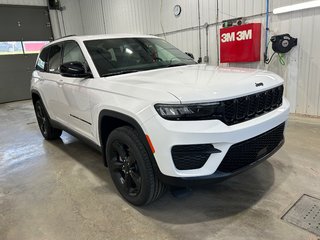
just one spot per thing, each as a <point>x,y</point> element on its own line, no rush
<point>42,63</point>
<point>54,61</point>
<point>72,53</point>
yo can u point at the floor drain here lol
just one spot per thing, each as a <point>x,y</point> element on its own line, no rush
<point>305,213</point>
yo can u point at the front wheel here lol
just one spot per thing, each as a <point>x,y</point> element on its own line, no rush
<point>130,167</point>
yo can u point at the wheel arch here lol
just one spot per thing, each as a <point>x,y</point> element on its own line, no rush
<point>35,95</point>
<point>110,120</point>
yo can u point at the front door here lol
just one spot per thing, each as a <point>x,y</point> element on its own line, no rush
<point>73,94</point>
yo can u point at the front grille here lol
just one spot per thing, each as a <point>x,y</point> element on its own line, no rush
<point>187,157</point>
<point>247,152</point>
<point>245,108</point>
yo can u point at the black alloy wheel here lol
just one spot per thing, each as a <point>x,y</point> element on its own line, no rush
<point>125,167</point>
<point>42,120</point>
<point>130,167</point>
<point>46,129</point>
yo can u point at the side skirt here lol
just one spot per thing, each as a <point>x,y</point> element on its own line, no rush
<point>92,144</point>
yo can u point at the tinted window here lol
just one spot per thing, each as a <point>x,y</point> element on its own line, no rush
<point>117,56</point>
<point>55,58</point>
<point>72,53</point>
<point>42,63</point>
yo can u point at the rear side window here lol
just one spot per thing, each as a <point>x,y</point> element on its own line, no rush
<point>54,61</point>
<point>42,63</point>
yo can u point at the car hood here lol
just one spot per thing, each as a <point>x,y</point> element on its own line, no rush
<point>202,83</point>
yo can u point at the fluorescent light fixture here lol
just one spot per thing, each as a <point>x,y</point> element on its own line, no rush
<point>296,7</point>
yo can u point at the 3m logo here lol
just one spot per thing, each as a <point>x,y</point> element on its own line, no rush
<point>244,35</point>
<point>240,43</point>
<point>228,37</point>
<point>236,36</point>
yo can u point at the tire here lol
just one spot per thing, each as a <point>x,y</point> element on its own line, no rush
<point>48,132</point>
<point>130,167</point>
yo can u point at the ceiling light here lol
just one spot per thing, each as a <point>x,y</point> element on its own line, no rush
<point>296,7</point>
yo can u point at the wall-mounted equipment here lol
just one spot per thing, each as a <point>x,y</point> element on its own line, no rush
<point>54,4</point>
<point>283,43</point>
<point>240,43</point>
<point>233,22</point>
<point>190,55</point>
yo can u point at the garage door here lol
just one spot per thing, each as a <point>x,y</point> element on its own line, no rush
<point>24,30</point>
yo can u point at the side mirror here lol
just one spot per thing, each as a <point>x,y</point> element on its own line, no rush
<point>190,55</point>
<point>75,70</point>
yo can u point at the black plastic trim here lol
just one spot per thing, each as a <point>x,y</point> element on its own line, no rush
<point>88,141</point>
<point>35,92</point>
<point>80,119</point>
<point>192,156</point>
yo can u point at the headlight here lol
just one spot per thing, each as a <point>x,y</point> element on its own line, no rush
<point>201,111</point>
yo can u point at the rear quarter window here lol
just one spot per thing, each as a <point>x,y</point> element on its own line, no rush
<point>42,62</point>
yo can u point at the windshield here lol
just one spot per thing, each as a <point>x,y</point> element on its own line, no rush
<point>124,55</point>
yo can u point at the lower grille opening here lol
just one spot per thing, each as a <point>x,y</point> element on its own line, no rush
<point>247,152</point>
<point>186,157</point>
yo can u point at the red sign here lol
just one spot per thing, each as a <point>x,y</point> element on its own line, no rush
<point>240,43</point>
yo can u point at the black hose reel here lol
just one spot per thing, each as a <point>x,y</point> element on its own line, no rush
<point>283,43</point>
<point>280,44</point>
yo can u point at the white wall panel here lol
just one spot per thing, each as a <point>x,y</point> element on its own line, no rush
<point>92,17</point>
<point>187,18</point>
<point>71,18</point>
<point>68,21</point>
<point>131,16</point>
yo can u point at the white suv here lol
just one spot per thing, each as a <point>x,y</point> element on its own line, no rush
<point>158,117</point>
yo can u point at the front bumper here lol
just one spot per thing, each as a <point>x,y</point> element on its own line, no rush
<point>166,134</point>
<point>216,177</point>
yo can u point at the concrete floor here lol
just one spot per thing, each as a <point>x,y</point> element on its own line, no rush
<point>60,190</point>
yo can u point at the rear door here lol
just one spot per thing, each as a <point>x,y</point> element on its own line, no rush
<point>48,66</point>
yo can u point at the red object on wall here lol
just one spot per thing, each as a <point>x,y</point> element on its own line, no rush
<point>240,43</point>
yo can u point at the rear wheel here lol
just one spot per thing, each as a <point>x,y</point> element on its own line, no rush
<point>130,167</point>
<point>46,129</point>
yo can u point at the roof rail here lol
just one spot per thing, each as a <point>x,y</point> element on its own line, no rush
<point>71,35</point>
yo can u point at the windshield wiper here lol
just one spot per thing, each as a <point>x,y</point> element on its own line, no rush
<point>176,64</point>
<point>118,73</point>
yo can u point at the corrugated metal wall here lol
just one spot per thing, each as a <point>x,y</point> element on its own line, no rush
<point>93,20</point>
<point>69,21</point>
<point>301,72</point>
